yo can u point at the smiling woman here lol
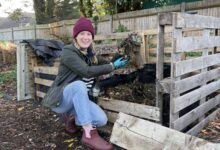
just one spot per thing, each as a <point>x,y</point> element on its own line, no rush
<point>75,86</point>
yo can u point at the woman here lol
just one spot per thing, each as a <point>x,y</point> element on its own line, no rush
<point>76,77</point>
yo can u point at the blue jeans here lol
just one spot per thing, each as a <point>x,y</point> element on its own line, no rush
<point>76,101</point>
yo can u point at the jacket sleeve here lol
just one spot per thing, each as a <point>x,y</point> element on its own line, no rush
<point>76,64</point>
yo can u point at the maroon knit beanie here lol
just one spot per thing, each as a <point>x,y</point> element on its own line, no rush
<point>83,24</point>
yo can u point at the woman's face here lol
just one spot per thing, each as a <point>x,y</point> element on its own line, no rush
<point>84,39</point>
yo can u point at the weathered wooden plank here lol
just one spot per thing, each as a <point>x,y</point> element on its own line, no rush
<point>196,129</point>
<point>112,36</point>
<point>177,35</point>
<point>46,70</point>
<point>184,20</point>
<point>142,55</point>
<point>123,35</point>
<point>132,133</point>
<point>196,43</point>
<point>196,80</point>
<point>166,50</point>
<point>154,59</point>
<point>43,82</point>
<point>167,39</point>
<point>143,111</point>
<point>195,95</point>
<point>40,94</point>
<point>205,52</point>
<point>191,116</point>
<point>186,66</point>
<point>23,89</point>
<point>160,64</point>
<point>20,82</point>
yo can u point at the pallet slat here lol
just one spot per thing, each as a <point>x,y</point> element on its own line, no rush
<point>186,66</point>
<point>40,94</point>
<point>112,36</point>
<point>137,134</point>
<point>196,80</point>
<point>196,43</point>
<point>46,70</point>
<point>195,130</point>
<point>166,50</point>
<point>184,20</point>
<point>191,97</point>
<point>143,111</point>
<point>43,82</point>
<point>188,118</point>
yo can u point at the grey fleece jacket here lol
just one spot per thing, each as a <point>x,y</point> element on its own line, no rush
<point>73,66</point>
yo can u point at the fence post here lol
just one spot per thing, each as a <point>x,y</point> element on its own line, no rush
<point>111,23</point>
<point>159,66</point>
<point>35,32</point>
<point>183,7</point>
<point>12,34</point>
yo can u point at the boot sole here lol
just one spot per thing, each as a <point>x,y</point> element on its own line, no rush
<point>91,147</point>
<point>72,133</point>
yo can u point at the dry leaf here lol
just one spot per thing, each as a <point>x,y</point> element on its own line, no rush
<point>20,109</point>
<point>69,140</point>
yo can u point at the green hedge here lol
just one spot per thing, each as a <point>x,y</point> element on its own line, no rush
<point>159,3</point>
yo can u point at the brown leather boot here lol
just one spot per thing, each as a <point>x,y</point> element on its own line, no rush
<point>96,142</point>
<point>69,121</point>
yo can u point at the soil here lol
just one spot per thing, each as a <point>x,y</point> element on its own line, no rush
<point>133,92</point>
<point>212,131</point>
<point>26,125</point>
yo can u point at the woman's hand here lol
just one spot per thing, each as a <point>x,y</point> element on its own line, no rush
<point>120,62</point>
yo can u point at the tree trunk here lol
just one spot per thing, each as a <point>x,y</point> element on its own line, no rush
<point>40,9</point>
<point>50,5</point>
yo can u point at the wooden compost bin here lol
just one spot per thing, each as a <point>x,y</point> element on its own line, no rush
<point>194,84</point>
<point>107,47</point>
<point>32,72</point>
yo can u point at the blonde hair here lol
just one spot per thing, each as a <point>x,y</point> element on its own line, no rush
<point>94,59</point>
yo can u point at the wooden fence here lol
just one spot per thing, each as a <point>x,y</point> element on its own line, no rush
<point>194,83</point>
<point>134,21</point>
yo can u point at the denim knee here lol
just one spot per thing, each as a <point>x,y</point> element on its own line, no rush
<point>101,120</point>
<point>75,87</point>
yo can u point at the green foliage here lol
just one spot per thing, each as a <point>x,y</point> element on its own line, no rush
<point>193,54</point>
<point>159,3</point>
<point>89,9</point>
<point>47,11</point>
<point>100,8</point>
<point>86,7</point>
<point>66,9</point>
<point>8,76</point>
<point>121,28</point>
<point>39,8</point>
<point>16,15</point>
<point>120,6</point>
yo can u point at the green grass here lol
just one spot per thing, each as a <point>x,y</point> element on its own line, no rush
<point>8,76</point>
